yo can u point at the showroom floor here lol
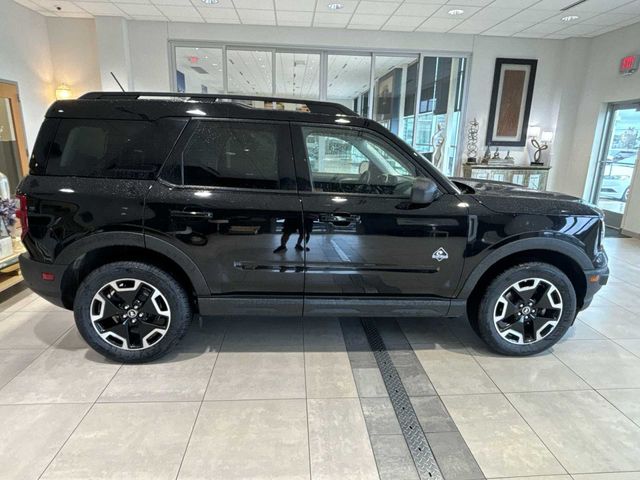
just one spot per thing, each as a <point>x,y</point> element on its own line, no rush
<point>269,398</point>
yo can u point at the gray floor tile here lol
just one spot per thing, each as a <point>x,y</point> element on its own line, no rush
<point>277,372</point>
<point>432,414</point>
<point>601,363</point>
<point>581,331</point>
<point>134,440</point>
<point>30,436</point>
<point>328,374</point>
<point>488,423</point>
<point>393,458</point>
<point>538,477</point>
<point>12,362</point>
<point>205,335</point>
<point>178,377</point>
<point>369,382</point>
<point>33,329</point>
<point>453,456</point>
<point>339,442</point>
<point>322,333</point>
<point>380,416</point>
<point>252,439</point>
<point>632,346</point>
<point>427,331</point>
<point>625,400</point>
<point>61,376</point>
<point>584,431</point>
<point>362,359</point>
<point>415,381</point>
<point>268,332</point>
<point>608,476</point>
<point>612,321</point>
<point>453,370</point>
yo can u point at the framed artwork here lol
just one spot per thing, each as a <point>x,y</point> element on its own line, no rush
<point>513,81</point>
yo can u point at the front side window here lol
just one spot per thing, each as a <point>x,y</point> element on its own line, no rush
<point>355,161</point>
<point>235,154</point>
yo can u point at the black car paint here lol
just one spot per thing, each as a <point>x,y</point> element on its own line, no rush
<point>369,254</point>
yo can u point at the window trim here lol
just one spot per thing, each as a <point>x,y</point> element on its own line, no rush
<point>189,131</point>
<point>303,167</point>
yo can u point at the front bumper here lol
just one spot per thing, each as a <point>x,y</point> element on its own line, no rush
<point>32,272</point>
<point>596,279</point>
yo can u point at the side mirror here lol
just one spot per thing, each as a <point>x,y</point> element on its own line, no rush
<point>424,191</point>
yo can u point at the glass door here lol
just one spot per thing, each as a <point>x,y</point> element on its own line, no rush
<point>617,161</point>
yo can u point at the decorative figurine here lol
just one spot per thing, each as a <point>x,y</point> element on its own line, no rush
<point>508,156</point>
<point>496,154</point>
<point>487,156</point>
<point>437,141</point>
<point>538,153</point>
<point>472,141</point>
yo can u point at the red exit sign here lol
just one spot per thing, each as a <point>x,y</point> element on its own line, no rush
<point>629,64</point>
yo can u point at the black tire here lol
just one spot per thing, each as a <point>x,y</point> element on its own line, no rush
<point>180,310</point>
<point>488,330</point>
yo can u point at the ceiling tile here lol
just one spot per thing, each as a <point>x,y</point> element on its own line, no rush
<point>135,9</point>
<point>77,15</point>
<point>438,24</point>
<point>632,8</point>
<point>497,14</point>
<point>362,19</point>
<point>513,3</point>
<point>376,8</point>
<point>363,27</point>
<point>400,20</point>
<point>219,14</point>
<point>213,6</point>
<point>555,5</point>
<point>399,28</point>
<point>186,19</point>
<point>443,12</point>
<point>544,28</point>
<point>296,5</point>
<point>141,2</point>
<point>580,29</point>
<point>184,3</point>
<point>606,19</point>
<point>330,19</point>
<point>294,18</point>
<point>473,3</point>
<point>417,9</point>
<point>253,4</point>
<point>100,8</point>
<point>533,15</point>
<point>28,4</point>
<point>349,6</point>
<point>179,11</point>
<point>597,6</point>
<point>473,28</point>
<point>60,7</point>
<point>508,28</point>
<point>257,17</point>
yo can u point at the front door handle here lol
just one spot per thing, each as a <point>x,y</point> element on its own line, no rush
<point>193,213</point>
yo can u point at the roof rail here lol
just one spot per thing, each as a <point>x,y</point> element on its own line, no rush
<point>313,106</point>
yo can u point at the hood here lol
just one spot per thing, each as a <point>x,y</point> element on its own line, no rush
<point>511,198</point>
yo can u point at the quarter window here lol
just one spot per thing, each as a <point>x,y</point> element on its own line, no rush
<point>355,161</point>
<point>241,155</point>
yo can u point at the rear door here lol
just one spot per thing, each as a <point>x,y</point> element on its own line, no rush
<point>364,239</point>
<point>224,198</point>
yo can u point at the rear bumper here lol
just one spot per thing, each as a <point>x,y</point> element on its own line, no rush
<point>48,289</point>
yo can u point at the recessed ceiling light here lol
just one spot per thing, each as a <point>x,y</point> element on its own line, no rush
<point>335,6</point>
<point>570,18</point>
<point>210,2</point>
<point>455,11</point>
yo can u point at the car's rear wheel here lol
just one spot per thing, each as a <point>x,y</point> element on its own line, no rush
<point>526,309</point>
<point>131,312</point>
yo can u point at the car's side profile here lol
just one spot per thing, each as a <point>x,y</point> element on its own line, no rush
<point>140,211</point>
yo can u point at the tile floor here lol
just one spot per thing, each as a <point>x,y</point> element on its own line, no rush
<point>287,399</point>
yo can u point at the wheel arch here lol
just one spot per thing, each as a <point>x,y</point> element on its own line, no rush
<point>567,257</point>
<point>96,250</point>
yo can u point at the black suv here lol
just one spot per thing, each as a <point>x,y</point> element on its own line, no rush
<point>141,209</point>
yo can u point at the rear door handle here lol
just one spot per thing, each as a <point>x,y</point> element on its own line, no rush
<point>194,213</point>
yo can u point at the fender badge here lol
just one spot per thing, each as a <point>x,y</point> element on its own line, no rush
<point>440,254</point>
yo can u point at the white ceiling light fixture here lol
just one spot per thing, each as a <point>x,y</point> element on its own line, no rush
<point>455,12</point>
<point>570,18</point>
<point>335,6</point>
<point>210,2</point>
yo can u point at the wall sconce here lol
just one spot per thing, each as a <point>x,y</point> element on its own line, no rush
<point>63,92</point>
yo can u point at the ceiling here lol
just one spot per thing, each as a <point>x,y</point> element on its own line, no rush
<point>518,18</point>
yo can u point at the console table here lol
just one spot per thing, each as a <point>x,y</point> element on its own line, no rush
<point>534,177</point>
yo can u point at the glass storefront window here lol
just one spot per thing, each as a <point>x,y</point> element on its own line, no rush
<point>348,78</point>
<point>298,75</point>
<point>250,72</point>
<point>199,70</point>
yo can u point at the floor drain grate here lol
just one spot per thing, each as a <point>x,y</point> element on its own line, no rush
<point>416,440</point>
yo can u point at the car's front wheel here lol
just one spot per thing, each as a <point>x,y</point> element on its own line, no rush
<point>526,309</point>
<point>131,312</point>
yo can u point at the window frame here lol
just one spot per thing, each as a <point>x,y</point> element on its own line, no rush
<point>286,167</point>
<point>303,166</point>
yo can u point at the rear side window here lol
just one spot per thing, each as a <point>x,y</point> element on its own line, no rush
<point>112,148</point>
<point>233,154</point>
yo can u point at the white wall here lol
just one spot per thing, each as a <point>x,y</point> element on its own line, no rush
<point>25,59</point>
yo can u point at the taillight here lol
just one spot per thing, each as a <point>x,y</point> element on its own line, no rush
<point>21,213</point>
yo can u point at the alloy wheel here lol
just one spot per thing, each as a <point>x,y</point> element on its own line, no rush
<point>130,314</point>
<point>528,311</point>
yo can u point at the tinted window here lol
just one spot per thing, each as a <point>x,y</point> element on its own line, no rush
<point>112,148</point>
<point>350,160</point>
<point>230,154</point>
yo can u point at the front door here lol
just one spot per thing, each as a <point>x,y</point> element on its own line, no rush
<point>617,162</point>
<point>226,198</point>
<point>363,237</point>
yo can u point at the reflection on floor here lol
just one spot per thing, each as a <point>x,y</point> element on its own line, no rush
<point>286,398</point>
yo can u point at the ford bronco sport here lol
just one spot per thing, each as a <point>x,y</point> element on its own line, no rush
<point>142,209</point>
